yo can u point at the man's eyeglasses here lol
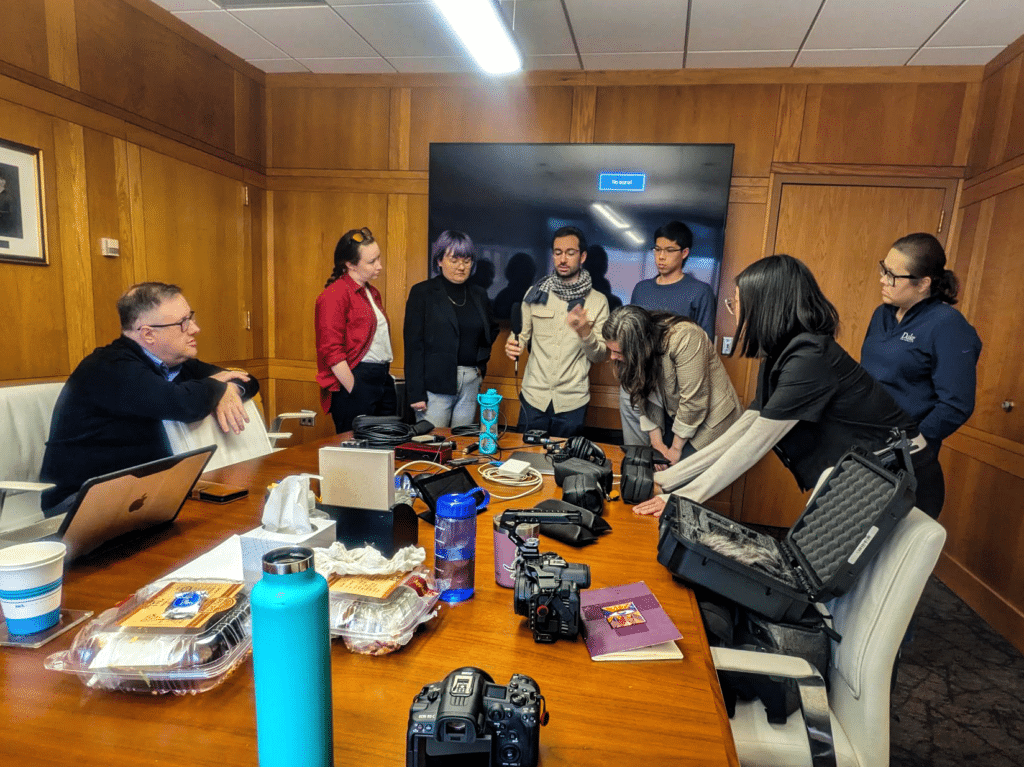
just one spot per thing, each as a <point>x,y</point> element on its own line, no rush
<point>183,323</point>
<point>360,235</point>
<point>889,277</point>
<point>658,251</point>
<point>570,252</point>
<point>730,306</point>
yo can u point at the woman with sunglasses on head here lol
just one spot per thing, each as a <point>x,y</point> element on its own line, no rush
<point>668,367</point>
<point>449,331</point>
<point>353,341</point>
<point>921,349</point>
<point>813,400</point>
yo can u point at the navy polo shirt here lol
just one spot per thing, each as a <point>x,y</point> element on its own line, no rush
<point>928,363</point>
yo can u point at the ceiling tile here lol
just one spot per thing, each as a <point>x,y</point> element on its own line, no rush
<point>877,23</point>
<point>561,62</point>
<point>749,25</point>
<point>539,27</point>
<point>857,57</point>
<point>961,57</point>
<point>982,23</point>
<point>615,26</point>
<point>225,29</point>
<point>278,66</point>
<point>188,5</point>
<point>432,64</point>
<point>738,59</point>
<point>306,32</point>
<point>368,65</point>
<point>340,3</point>
<point>592,61</point>
<point>402,30</point>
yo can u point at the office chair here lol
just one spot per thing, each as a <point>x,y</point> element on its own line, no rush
<point>848,726</point>
<point>25,413</point>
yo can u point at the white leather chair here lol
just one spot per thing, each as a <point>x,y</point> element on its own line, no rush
<point>253,442</point>
<point>851,726</point>
<point>25,413</point>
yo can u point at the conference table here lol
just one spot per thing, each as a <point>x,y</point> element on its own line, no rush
<point>601,713</point>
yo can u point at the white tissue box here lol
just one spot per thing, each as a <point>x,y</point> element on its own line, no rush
<point>258,542</point>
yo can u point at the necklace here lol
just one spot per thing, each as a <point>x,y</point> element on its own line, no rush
<point>465,295</point>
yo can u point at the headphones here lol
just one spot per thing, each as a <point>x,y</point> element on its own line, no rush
<point>577,447</point>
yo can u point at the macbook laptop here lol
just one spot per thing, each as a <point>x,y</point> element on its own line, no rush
<point>538,461</point>
<point>122,502</point>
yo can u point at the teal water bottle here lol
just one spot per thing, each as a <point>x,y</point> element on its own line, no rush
<point>489,404</point>
<point>291,660</point>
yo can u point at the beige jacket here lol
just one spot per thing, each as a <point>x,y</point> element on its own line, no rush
<point>558,369</point>
<point>694,388</point>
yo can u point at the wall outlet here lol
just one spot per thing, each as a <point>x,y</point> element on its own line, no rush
<point>726,344</point>
<point>309,421</point>
<point>109,247</point>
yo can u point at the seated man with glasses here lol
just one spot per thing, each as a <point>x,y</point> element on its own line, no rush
<point>109,415</point>
<point>671,291</point>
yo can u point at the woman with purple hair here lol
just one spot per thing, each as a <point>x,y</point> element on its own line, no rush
<point>449,331</point>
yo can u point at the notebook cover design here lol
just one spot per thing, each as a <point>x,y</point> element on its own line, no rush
<point>627,623</point>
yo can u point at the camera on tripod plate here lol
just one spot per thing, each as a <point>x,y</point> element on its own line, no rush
<point>547,588</point>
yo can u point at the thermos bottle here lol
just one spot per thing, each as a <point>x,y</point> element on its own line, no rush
<point>291,658</point>
<point>489,404</point>
<point>455,542</point>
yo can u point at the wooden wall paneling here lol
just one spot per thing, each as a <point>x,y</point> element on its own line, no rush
<point>790,123</point>
<point>994,116</point>
<point>194,223</point>
<point>584,114</point>
<point>499,113</point>
<point>997,314</point>
<point>23,35</point>
<point>258,244</point>
<point>307,226</point>
<point>250,135</point>
<point>130,60</point>
<point>968,120</point>
<point>35,346</point>
<point>400,129</point>
<point>269,272</point>
<point>1005,113</point>
<point>62,42</point>
<point>322,128</point>
<point>396,259</point>
<point>1015,131</point>
<point>744,115</point>
<point>972,243</point>
<point>133,166</point>
<point>892,124</point>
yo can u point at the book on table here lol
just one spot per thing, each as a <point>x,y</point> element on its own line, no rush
<point>628,623</point>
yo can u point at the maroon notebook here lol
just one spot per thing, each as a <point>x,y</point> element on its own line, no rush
<point>628,623</point>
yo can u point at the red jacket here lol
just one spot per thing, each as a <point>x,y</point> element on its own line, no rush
<point>345,325</point>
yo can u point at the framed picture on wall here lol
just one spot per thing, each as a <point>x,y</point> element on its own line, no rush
<point>21,204</point>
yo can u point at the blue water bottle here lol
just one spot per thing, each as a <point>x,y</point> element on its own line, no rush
<point>455,542</point>
<point>489,404</point>
<point>291,658</point>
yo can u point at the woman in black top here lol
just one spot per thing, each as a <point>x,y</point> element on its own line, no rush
<point>813,400</point>
<point>449,330</point>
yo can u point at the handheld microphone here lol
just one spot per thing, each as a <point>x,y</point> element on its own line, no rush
<point>517,326</point>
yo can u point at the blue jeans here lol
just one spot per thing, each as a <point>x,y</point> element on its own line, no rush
<point>459,409</point>
<point>567,424</point>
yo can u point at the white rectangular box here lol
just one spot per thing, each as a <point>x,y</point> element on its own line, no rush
<point>357,478</point>
<point>258,542</point>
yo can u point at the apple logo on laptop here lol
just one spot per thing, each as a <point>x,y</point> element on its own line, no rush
<point>137,504</point>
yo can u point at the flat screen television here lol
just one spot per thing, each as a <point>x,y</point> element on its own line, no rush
<point>511,198</point>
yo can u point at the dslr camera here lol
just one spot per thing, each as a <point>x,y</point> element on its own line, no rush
<point>547,588</point>
<point>468,720</point>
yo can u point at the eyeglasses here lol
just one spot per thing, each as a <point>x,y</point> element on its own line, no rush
<point>890,277</point>
<point>570,252</point>
<point>360,235</point>
<point>730,306</point>
<point>658,251</point>
<point>183,323</point>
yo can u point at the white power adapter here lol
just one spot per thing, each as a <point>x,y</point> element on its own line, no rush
<point>513,469</point>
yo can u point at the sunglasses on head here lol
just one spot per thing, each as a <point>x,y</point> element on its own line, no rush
<point>360,235</point>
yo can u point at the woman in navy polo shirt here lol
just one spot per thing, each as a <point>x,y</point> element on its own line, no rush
<point>813,400</point>
<point>353,340</point>
<point>920,348</point>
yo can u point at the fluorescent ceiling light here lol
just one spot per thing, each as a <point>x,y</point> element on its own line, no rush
<point>634,236</point>
<point>482,30</point>
<point>608,214</point>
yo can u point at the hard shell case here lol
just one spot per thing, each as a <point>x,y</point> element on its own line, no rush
<point>840,531</point>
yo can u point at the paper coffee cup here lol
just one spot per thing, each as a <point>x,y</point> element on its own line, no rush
<point>31,576</point>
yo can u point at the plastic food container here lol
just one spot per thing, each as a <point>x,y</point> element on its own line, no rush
<point>376,616</point>
<point>179,636</point>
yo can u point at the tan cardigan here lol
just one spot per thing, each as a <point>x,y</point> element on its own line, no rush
<point>694,387</point>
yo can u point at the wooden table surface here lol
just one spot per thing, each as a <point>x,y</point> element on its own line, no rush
<point>610,713</point>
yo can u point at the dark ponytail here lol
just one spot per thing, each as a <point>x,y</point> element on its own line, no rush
<point>347,252</point>
<point>926,258</point>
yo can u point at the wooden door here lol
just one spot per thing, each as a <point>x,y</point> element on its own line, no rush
<point>840,228</point>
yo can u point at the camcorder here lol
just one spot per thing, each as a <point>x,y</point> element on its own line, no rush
<point>547,588</point>
<point>468,720</point>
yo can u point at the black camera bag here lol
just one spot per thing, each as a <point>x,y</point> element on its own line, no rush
<point>600,472</point>
<point>582,490</point>
<point>637,473</point>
